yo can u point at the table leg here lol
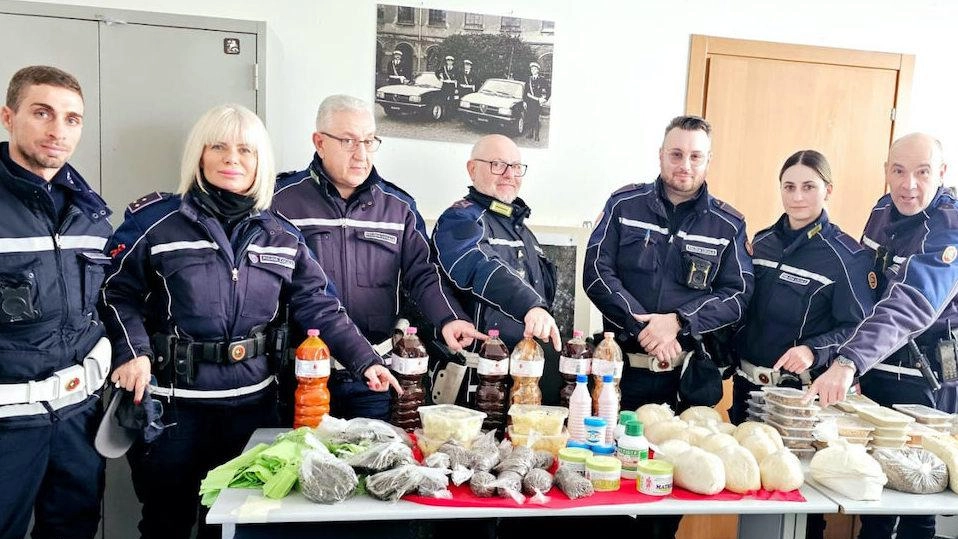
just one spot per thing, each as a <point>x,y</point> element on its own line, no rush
<point>788,526</point>
<point>229,530</point>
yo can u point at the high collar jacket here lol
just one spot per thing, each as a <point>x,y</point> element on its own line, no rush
<point>812,291</point>
<point>372,246</point>
<point>54,267</point>
<point>916,274</point>
<point>175,272</point>
<point>488,253</point>
<point>635,265</point>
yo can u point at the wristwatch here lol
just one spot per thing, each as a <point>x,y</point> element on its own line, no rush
<point>845,362</point>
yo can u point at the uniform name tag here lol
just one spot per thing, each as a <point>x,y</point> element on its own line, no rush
<point>701,250</point>
<point>500,208</point>
<point>794,279</point>
<point>381,236</point>
<point>277,260</point>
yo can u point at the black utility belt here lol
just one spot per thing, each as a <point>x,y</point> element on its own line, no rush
<point>176,349</point>
<point>943,358</point>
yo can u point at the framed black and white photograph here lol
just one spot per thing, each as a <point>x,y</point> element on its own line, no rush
<point>454,76</point>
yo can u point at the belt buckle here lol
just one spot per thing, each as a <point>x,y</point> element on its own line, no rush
<point>236,351</point>
<point>660,365</point>
<point>764,376</point>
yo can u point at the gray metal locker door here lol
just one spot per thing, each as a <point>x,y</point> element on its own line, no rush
<point>70,45</point>
<point>156,81</point>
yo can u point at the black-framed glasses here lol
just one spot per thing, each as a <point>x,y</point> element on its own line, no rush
<point>351,144</point>
<point>499,167</point>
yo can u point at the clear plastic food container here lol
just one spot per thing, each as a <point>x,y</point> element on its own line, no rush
<point>789,421</point>
<point>539,442</point>
<point>450,422</point>
<point>794,432</point>
<point>758,396</point>
<point>884,417</point>
<point>428,445</point>
<point>804,454</point>
<point>532,417</point>
<point>797,442</point>
<point>794,411</point>
<point>784,395</point>
<point>884,441</point>
<point>925,414</point>
<point>853,427</point>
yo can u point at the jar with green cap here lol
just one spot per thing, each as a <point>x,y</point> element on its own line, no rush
<point>574,458</point>
<point>624,417</point>
<point>633,448</point>
<point>604,473</point>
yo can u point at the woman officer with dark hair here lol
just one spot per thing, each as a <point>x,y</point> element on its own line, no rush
<point>811,287</point>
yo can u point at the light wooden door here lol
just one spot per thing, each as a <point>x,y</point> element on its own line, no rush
<point>767,100</point>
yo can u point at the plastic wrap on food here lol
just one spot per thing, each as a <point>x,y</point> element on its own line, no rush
<point>458,455</point>
<point>536,484</point>
<point>359,430</point>
<point>543,459</point>
<point>394,484</point>
<point>573,484</point>
<point>433,483</point>
<point>486,442</point>
<point>382,456</point>
<point>324,478</point>
<point>483,484</point>
<point>505,448</point>
<point>483,460</point>
<point>509,485</point>
<point>520,461</point>
<point>913,470</point>
<point>438,460</point>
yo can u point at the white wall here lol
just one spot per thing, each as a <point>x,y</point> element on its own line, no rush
<point>620,75</point>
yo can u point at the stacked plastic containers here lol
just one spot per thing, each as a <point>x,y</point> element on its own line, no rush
<point>891,427</point>
<point>793,420</point>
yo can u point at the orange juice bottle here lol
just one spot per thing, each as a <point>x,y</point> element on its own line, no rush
<point>312,374</point>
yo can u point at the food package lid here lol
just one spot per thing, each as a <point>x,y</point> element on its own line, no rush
<point>782,428</point>
<point>924,414</point>
<point>451,411</point>
<point>783,394</point>
<point>538,410</point>
<point>853,423</point>
<point>852,403</point>
<point>884,417</point>
<point>795,410</point>
<point>799,422</point>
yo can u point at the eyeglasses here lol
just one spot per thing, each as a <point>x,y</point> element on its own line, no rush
<point>499,167</point>
<point>351,144</point>
<point>677,157</point>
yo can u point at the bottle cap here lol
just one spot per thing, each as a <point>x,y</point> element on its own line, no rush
<point>576,333</point>
<point>593,421</point>
<point>411,330</point>
<point>581,379</point>
<point>312,332</point>
<point>493,333</point>
<point>576,443</point>
<point>606,378</point>
<point>634,428</point>
<point>602,449</point>
<point>608,335</point>
<point>627,415</point>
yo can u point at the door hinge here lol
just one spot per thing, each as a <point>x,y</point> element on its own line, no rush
<point>893,112</point>
<point>256,77</point>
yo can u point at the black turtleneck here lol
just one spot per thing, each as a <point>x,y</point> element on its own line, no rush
<point>229,208</point>
<point>678,212</point>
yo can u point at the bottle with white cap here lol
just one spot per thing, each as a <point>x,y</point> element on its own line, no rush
<point>580,407</point>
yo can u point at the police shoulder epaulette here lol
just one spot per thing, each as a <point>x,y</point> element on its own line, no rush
<point>629,187</point>
<point>288,174</point>
<point>461,203</point>
<point>848,242</point>
<point>727,208</point>
<point>147,200</point>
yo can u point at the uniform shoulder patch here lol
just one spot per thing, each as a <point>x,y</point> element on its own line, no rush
<point>626,188</point>
<point>849,243</point>
<point>146,200</point>
<point>462,203</point>
<point>287,174</point>
<point>727,208</point>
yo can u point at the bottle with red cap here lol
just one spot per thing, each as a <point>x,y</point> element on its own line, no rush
<point>311,399</point>
<point>576,359</point>
<point>493,369</point>
<point>409,363</point>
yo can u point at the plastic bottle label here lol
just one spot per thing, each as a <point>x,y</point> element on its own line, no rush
<point>312,368</point>
<point>572,365</point>
<point>532,369</point>
<point>601,367</point>
<point>630,458</point>
<point>492,367</point>
<point>410,365</point>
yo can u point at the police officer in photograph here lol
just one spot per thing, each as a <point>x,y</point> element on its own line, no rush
<point>195,281</point>
<point>54,358</point>
<point>397,71</point>
<point>811,287</point>
<point>370,240</point>
<point>666,265</point>
<point>467,80</point>
<point>537,93</point>
<point>903,352</point>
<point>448,75</point>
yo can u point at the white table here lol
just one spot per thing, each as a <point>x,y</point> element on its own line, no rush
<point>759,518</point>
<point>894,502</point>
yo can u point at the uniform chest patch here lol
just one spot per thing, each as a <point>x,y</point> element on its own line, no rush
<point>272,259</point>
<point>707,251</point>
<point>949,254</point>
<point>380,236</point>
<point>794,279</point>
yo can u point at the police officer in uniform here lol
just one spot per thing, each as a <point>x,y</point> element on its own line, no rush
<point>449,77</point>
<point>196,278</point>
<point>667,264</point>
<point>811,287</point>
<point>467,81</point>
<point>397,71</point>
<point>53,356</point>
<point>537,93</point>
<point>912,235</point>
<point>370,239</point>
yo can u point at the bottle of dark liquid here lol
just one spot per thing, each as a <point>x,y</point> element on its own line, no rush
<point>575,359</point>
<point>410,362</point>
<point>493,369</point>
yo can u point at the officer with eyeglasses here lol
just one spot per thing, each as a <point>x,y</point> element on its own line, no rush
<point>668,268</point>
<point>370,240</point>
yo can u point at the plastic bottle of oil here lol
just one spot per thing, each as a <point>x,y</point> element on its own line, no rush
<point>311,398</point>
